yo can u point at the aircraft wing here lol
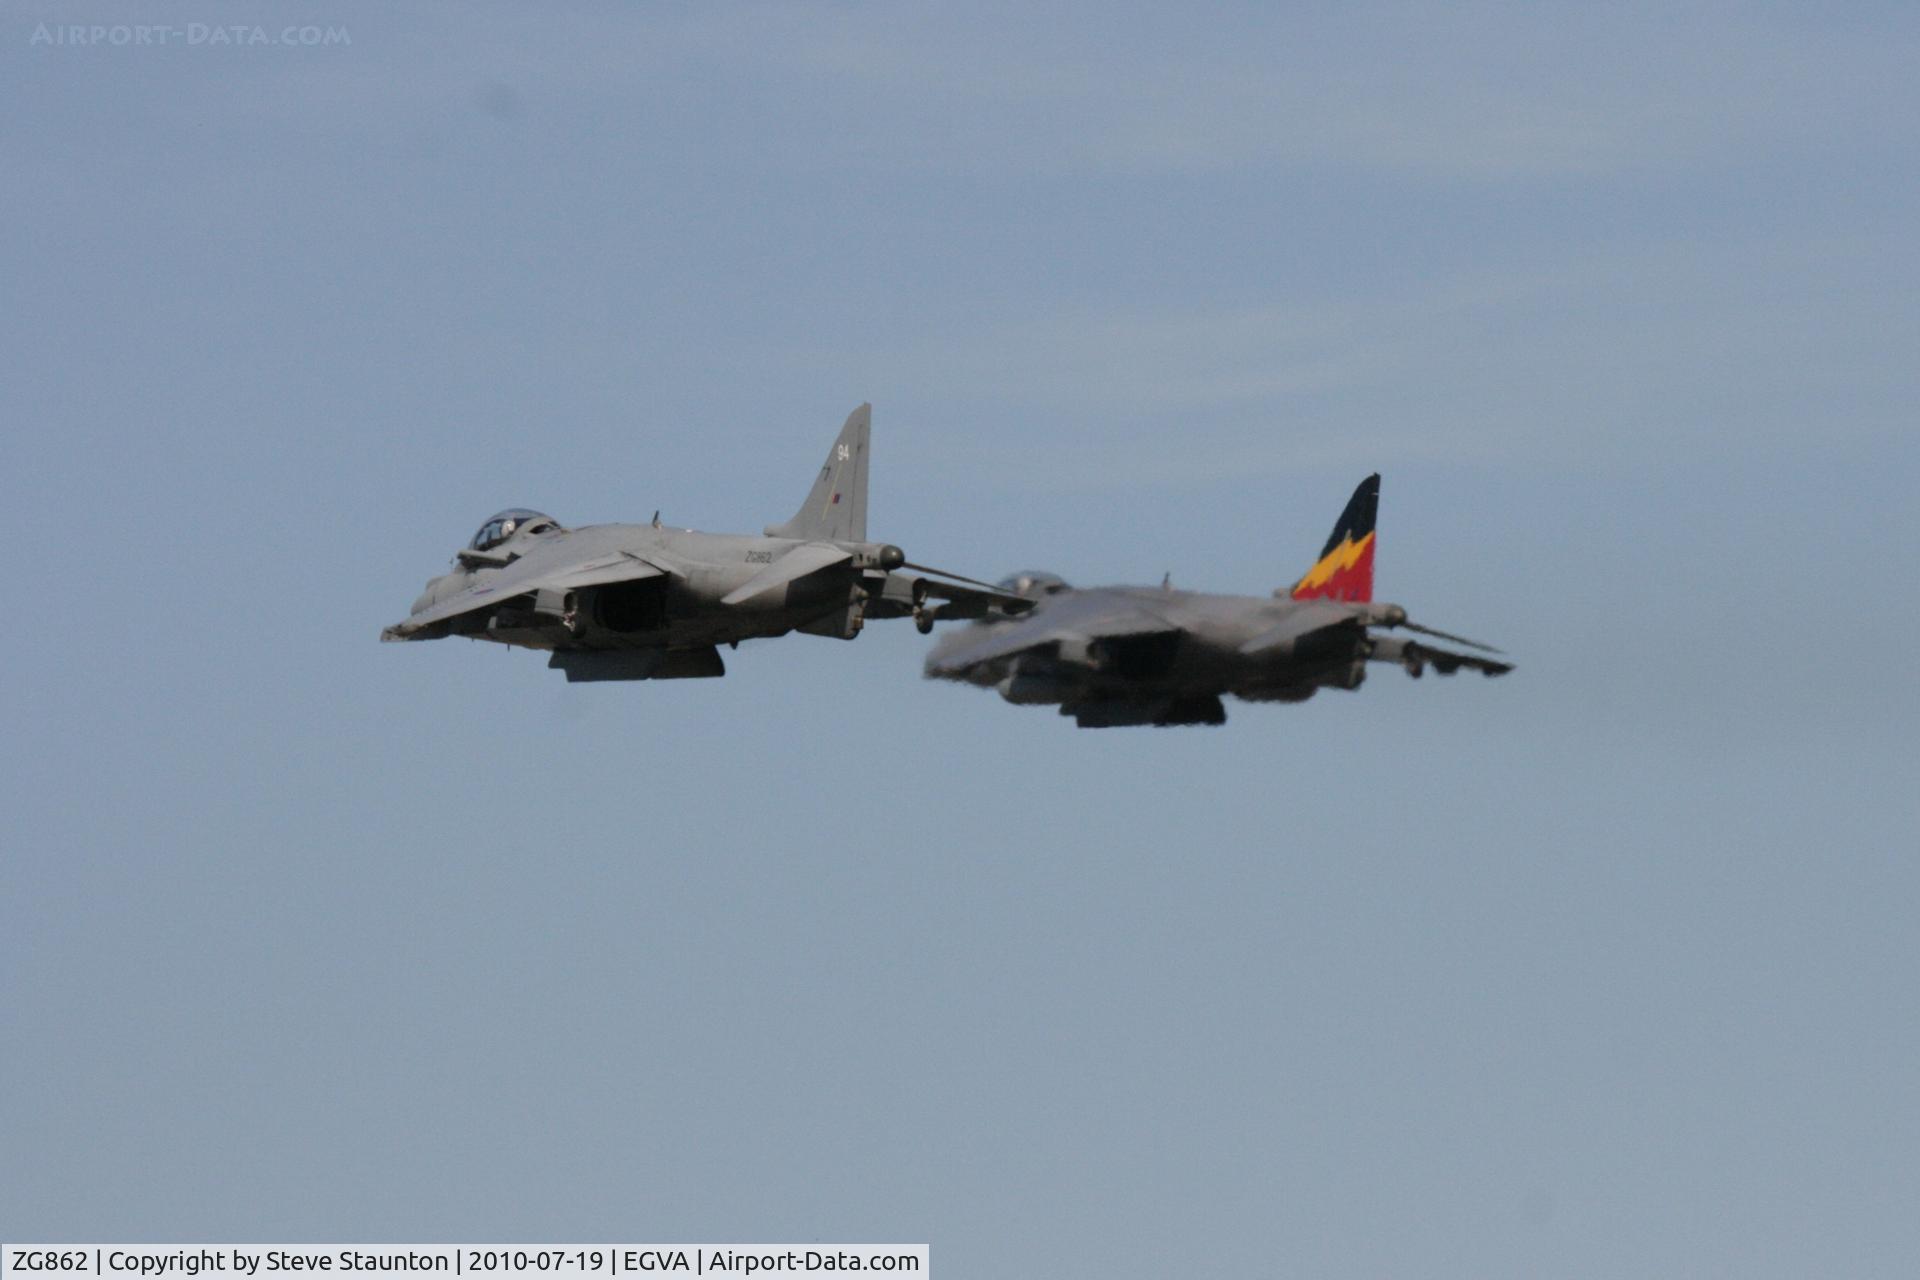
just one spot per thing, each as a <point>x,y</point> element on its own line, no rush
<point>1304,620</point>
<point>520,578</point>
<point>809,557</point>
<point>1067,621</point>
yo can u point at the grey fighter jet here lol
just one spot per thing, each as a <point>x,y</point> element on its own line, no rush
<point>647,602</point>
<point>1112,656</point>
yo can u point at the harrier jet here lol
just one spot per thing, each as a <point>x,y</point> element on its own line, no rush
<point>1111,656</point>
<point>646,602</point>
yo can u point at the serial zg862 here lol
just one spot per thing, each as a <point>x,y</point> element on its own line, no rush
<point>51,1260</point>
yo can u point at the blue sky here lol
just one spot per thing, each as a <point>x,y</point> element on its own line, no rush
<point>1602,969</point>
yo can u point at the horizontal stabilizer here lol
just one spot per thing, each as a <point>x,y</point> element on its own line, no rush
<point>1416,657</point>
<point>1446,662</point>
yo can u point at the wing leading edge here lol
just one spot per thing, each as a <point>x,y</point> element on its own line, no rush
<point>519,579</point>
<point>1075,621</point>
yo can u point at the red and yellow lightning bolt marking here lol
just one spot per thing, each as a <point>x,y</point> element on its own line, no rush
<point>1344,573</point>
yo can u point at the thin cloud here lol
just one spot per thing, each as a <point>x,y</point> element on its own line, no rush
<point>1582,363</point>
<point>1479,94</point>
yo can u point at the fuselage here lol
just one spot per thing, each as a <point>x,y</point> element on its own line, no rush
<point>679,608</point>
<point>1198,654</point>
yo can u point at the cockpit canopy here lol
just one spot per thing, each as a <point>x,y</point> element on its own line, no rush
<point>509,522</point>
<point>1033,583</point>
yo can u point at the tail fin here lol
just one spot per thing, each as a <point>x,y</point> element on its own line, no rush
<point>1345,568</point>
<point>836,509</point>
